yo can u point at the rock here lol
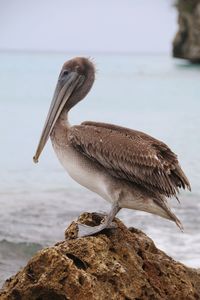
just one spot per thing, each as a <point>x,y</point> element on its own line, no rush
<point>118,263</point>
<point>186,43</point>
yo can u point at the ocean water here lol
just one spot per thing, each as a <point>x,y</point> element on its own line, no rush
<point>152,93</point>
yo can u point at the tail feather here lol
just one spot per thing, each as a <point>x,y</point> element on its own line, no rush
<point>179,224</point>
<point>167,213</point>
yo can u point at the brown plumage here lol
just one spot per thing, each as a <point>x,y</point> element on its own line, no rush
<point>126,167</point>
<point>131,155</point>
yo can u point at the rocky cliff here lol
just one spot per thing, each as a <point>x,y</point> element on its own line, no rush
<point>119,263</point>
<point>186,43</point>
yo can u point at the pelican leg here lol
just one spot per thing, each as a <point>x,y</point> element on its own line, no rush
<point>85,230</point>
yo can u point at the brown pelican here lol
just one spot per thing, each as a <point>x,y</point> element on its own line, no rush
<point>128,168</point>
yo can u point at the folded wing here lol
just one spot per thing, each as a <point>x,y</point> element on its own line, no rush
<point>131,155</point>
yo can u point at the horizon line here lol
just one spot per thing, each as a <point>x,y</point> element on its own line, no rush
<point>85,52</point>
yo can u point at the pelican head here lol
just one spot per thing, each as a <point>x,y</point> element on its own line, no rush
<point>74,82</point>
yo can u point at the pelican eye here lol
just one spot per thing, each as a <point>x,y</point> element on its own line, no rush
<point>63,75</point>
<point>65,72</point>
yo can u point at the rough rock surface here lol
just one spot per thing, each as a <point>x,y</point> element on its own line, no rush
<point>117,264</point>
<point>187,40</point>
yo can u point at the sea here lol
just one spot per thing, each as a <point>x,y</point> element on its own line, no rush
<point>152,93</point>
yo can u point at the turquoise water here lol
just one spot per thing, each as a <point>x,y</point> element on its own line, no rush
<point>155,94</point>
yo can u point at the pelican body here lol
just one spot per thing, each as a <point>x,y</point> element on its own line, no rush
<point>128,168</point>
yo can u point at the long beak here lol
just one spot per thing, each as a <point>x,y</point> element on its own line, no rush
<point>63,91</point>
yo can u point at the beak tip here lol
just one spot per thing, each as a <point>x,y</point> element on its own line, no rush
<point>35,160</point>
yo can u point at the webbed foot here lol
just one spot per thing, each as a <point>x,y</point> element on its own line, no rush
<point>85,230</point>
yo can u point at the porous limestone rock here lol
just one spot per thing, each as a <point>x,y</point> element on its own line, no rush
<point>186,43</point>
<point>118,263</point>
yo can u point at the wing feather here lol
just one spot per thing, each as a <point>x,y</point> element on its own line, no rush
<point>131,155</point>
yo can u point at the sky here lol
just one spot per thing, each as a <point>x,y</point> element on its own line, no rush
<point>88,25</point>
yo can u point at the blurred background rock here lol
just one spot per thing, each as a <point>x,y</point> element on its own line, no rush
<point>186,43</point>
